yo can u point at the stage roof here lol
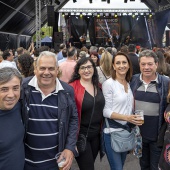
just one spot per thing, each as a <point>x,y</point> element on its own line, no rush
<point>18,16</point>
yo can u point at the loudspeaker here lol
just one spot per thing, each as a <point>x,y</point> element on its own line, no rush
<point>56,46</point>
<point>50,15</point>
<point>167,38</point>
<point>58,37</point>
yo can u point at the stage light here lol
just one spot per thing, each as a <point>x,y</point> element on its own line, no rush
<point>98,15</point>
<point>74,1</point>
<point>125,1</point>
<point>90,1</point>
<point>133,15</point>
<point>150,15</point>
<point>108,1</point>
<point>115,15</point>
<point>81,15</point>
<point>57,2</point>
<point>63,14</point>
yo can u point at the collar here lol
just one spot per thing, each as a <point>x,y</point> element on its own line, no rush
<point>34,83</point>
<point>152,81</point>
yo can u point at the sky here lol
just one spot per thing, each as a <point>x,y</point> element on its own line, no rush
<point>137,4</point>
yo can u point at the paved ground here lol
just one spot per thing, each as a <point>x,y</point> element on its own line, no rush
<point>132,163</point>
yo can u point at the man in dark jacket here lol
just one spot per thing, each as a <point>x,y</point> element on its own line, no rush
<point>52,117</point>
<point>11,127</point>
<point>150,93</point>
<point>133,58</point>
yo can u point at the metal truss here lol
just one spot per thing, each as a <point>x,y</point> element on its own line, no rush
<point>38,22</point>
<point>81,10</point>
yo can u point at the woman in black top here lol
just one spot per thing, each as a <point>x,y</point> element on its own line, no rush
<point>85,83</point>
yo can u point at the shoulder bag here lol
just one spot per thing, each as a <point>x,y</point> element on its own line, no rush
<point>123,140</point>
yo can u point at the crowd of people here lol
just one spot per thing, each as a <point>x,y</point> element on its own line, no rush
<point>48,99</point>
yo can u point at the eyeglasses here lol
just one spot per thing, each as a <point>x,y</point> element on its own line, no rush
<point>89,67</point>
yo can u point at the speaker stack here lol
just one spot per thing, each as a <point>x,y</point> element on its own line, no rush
<point>50,15</point>
<point>58,39</point>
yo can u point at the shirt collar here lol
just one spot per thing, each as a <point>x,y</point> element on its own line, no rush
<point>34,83</point>
<point>156,79</point>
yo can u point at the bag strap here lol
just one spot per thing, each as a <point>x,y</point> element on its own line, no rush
<point>91,114</point>
<point>103,73</point>
<point>126,127</point>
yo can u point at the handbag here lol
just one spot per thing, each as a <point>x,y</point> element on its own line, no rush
<point>82,139</point>
<point>123,140</point>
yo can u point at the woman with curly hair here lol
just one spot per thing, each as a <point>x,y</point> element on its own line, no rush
<point>90,103</point>
<point>25,64</point>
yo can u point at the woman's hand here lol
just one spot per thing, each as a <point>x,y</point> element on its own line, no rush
<point>135,119</point>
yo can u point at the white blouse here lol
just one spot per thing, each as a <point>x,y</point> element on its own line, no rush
<point>116,99</point>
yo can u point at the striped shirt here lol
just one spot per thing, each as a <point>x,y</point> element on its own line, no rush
<point>42,134</point>
<point>147,99</point>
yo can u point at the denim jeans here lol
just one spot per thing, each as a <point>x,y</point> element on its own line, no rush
<point>116,159</point>
<point>150,155</point>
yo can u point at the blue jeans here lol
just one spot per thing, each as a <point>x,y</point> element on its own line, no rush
<point>116,159</point>
<point>150,155</point>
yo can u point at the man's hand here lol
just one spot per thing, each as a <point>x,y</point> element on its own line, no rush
<point>68,155</point>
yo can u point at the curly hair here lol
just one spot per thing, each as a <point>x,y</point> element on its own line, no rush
<point>76,75</point>
<point>26,64</point>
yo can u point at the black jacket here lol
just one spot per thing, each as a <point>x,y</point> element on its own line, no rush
<point>68,116</point>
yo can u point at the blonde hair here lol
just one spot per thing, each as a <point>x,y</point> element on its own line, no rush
<point>106,63</point>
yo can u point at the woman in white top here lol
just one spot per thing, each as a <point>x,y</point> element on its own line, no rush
<point>104,70</point>
<point>118,105</point>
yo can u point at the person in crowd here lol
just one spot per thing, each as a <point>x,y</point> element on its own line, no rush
<point>67,67</point>
<point>71,41</point>
<point>101,50</point>
<point>104,70</point>
<point>94,56</point>
<point>86,50</point>
<point>109,49</point>
<point>60,54</point>
<point>12,154</point>
<point>167,57</point>
<point>64,53</point>
<point>164,162</point>
<point>163,67</point>
<point>26,65</point>
<point>83,39</point>
<point>52,126</point>
<point>1,58</point>
<point>127,40</point>
<point>116,39</point>
<point>93,49</point>
<point>150,90</point>
<point>7,60</point>
<point>88,95</point>
<point>20,51</point>
<point>114,51</point>
<point>82,54</point>
<point>124,49</point>
<point>118,106</point>
<point>133,58</point>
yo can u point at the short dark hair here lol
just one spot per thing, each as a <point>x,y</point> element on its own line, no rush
<point>71,52</point>
<point>148,53</point>
<point>130,71</point>
<point>76,75</point>
<point>8,73</point>
<point>6,54</point>
<point>62,46</point>
<point>131,48</point>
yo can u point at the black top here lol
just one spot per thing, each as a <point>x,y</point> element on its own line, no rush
<point>87,107</point>
<point>12,154</point>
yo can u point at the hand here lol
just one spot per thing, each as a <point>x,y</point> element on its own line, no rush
<point>135,119</point>
<point>68,155</point>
